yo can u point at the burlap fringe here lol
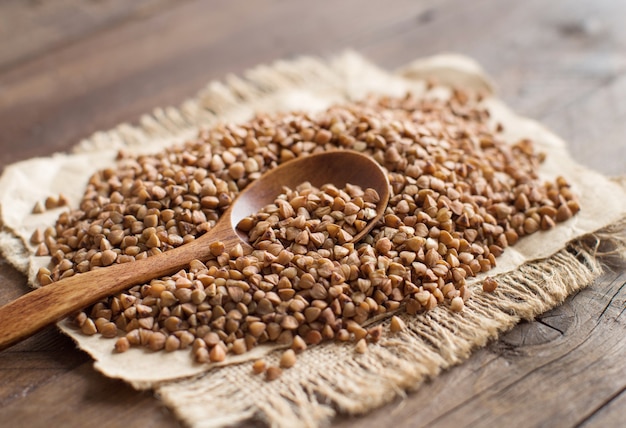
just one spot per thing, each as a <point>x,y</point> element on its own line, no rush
<point>332,379</point>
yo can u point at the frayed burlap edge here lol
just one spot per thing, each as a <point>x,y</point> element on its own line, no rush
<point>333,379</point>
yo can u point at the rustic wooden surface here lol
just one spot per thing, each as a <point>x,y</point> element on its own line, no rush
<point>69,68</point>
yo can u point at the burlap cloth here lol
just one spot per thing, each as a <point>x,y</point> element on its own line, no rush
<point>534,276</point>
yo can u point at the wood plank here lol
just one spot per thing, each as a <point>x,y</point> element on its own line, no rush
<point>83,396</point>
<point>595,126</point>
<point>36,361</point>
<point>28,29</point>
<point>612,414</point>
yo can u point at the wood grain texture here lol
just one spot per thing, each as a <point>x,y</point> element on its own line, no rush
<point>561,62</point>
<point>42,26</point>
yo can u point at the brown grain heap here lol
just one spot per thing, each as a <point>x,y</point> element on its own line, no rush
<point>460,196</point>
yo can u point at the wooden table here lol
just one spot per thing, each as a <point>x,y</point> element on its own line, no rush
<point>69,68</point>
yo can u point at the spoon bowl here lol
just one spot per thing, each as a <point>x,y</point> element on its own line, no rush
<point>338,167</point>
<point>33,311</point>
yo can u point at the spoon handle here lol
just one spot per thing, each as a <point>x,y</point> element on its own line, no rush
<point>33,311</point>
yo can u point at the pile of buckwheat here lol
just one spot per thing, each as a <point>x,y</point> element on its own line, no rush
<point>460,196</point>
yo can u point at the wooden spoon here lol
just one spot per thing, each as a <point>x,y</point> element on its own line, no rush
<point>33,311</point>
